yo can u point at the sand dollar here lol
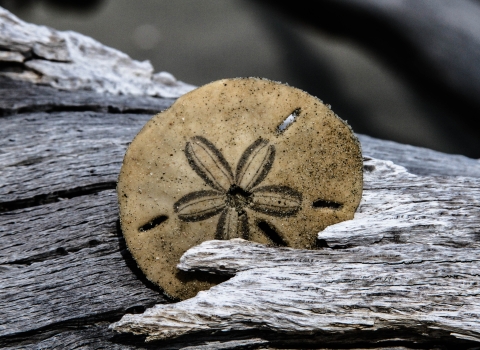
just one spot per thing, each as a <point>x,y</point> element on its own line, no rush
<point>221,163</point>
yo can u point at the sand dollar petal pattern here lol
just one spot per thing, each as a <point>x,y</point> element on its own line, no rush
<point>281,201</point>
<point>232,224</point>
<point>254,165</point>
<point>208,162</point>
<point>199,205</point>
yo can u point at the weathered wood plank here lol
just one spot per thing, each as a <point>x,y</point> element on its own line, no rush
<point>82,286</point>
<point>63,265</point>
<point>48,152</point>
<point>50,231</point>
<point>398,207</point>
<point>418,160</point>
<point>100,337</point>
<point>91,337</point>
<point>326,296</point>
<point>419,281</point>
<point>230,257</point>
<point>18,97</point>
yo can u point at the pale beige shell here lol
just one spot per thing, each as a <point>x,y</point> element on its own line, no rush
<point>216,165</point>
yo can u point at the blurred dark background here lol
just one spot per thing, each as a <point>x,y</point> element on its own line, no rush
<point>402,70</point>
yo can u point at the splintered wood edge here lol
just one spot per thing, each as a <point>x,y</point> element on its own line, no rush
<point>416,269</point>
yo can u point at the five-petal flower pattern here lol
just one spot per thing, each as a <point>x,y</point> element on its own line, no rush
<point>231,194</point>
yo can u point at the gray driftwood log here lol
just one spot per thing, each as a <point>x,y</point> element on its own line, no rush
<point>402,274</point>
<point>408,260</point>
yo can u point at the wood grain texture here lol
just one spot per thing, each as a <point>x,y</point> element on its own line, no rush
<point>419,160</point>
<point>421,280</point>
<point>64,265</point>
<point>18,97</point>
<point>43,153</point>
<point>398,207</point>
<point>402,274</point>
<point>99,336</point>
<point>45,232</point>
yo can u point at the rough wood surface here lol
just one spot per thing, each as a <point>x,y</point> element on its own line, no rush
<point>62,263</point>
<point>20,97</point>
<point>418,160</point>
<point>398,207</point>
<point>74,241</point>
<point>65,274</point>
<point>86,148</point>
<point>71,61</point>
<point>413,270</point>
<point>63,150</point>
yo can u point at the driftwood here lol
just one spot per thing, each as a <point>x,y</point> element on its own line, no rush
<point>413,269</point>
<point>66,276</point>
<point>71,61</point>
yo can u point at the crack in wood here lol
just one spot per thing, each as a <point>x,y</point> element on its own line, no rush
<point>56,196</point>
<point>41,333</point>
<point>18,98</point>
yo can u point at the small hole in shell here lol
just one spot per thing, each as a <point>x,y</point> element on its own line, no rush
<point>288,121</point>
<point>321,203</point>
<point>153,223</point>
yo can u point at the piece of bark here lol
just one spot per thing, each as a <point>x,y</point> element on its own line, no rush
<point>424,283</point>
<point>71,61</point>
<point>398,207</point>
